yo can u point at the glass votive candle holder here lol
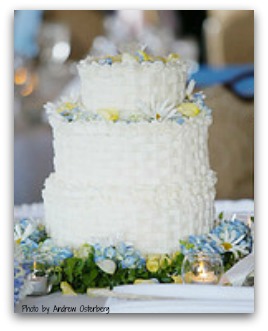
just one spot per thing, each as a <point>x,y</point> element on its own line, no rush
<point>39,282</point>
<point>202,268</point>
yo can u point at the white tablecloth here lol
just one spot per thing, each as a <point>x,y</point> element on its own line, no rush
<point>191,299</point>
<point>204,300</point>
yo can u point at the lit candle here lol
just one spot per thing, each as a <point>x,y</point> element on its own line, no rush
<point>34,267</point>
<point>39,283</point>
<point>202,268</point>
<point>203,276</point>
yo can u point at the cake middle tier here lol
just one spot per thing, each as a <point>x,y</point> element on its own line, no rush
<point>121,154</point>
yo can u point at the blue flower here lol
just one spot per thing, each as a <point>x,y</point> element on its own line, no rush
<point>98,253</point>
<point>180,120</point>
<point>122,254</point>
<point>231,236</point>
<point>194,244</point>
<point>47,252</point>
<point>21,284</point>
<point>128,262</point>
<point>198,98</point>
<point>107,60</point>
<point>109,252</point>
<point>121,248</point>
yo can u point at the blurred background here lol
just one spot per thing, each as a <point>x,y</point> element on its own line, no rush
<point>218,44</point>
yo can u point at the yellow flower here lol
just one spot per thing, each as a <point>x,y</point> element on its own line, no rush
<point>69,105</point>
<point>188,109</point>
<point>66,106</point>
<point>144,56</point>
<point>116,58</point>
<point>67,289</point>
<point>152,265</point>
<point>173,57</point>
<point>165,261</point>
<point>160,58</point>
<point>145,281</point>
<point>109,114</point>
<point>153,256</point>
<point>177,279</point>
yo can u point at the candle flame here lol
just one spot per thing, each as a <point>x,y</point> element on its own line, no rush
<point>201,268</point>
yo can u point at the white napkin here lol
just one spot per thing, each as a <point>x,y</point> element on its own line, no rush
<point>239,272</point>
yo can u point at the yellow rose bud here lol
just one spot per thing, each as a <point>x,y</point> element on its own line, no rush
<point>152,265</point>
<point>116,58</point>
<point>188,109</point>
<point>153,256</point>
<point>165,261</point>
<point>69,105</point>
<point>177,279</point>
<point>109,114</point>
<point>173,57</point>
<point>66,106</point>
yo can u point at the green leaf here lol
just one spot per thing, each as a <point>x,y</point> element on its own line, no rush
<point>89,278</point>
<point>69,268</point>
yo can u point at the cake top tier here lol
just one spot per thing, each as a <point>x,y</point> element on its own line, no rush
<point>125,81</point>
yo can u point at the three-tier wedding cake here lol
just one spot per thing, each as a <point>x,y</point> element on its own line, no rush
<point>131,156</point>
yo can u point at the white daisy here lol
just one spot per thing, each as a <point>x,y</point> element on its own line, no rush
<point>158,111</point>
<point>228,241</point>
<point>21,234</point>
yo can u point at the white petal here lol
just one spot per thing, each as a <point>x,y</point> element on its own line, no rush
<point>232,236</point>
<point>190,88</point>
<point>170,114</point>
<point>239,239</point>
<point>28,231</point>
<point>107,266</point>
<point>17,233</point>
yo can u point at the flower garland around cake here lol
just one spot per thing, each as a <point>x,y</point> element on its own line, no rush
<point>70,109</point>
<point>95,266</point>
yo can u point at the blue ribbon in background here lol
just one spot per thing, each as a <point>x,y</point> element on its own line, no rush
<point>239,78</point>
<point>26,28</point>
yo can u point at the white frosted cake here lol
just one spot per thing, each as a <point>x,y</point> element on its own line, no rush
<point>131,157</point>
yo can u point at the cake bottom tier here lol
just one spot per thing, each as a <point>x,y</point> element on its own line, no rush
<point>153,219</point>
